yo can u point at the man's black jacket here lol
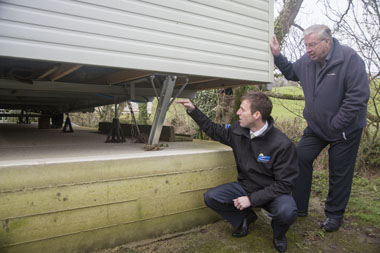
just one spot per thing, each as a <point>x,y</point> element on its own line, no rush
<point>267,165</point>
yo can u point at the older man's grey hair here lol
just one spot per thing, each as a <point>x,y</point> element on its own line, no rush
<point>322,31</point>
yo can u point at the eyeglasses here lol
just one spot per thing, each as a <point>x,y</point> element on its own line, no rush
<point>312,44</point>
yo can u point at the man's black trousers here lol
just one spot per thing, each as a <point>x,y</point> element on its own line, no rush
<point>342,156</point>
<point>282,209</point>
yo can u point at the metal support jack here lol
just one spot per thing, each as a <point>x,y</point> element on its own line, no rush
<point>67,124</point>
<point>115,134</point>
<point>163,103</point>
<point>135,130</point>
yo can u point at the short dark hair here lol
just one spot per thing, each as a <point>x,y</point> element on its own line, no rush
<point>259,102</point>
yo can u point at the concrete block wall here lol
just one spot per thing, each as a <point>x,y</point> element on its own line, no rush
<point>84,206</point>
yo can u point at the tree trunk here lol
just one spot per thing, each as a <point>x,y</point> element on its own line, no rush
<point>286,19</point>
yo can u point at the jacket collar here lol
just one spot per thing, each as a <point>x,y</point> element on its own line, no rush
<point>245,131</point>
<point>336,57</point>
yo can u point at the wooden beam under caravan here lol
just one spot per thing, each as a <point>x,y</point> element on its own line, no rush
<point>63,71</point>
<point>47,73</point>
<point>125,76</point>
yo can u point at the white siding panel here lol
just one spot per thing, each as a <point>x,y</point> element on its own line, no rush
<point>260,4</point>
<point>236,9</point>
<point>185,13</point>
<point>146,16</point>
<point>125,18</point>
<point>226,39</point>
<point>218,10</point>
<point>34,33</point>
<point>38,50</point>
<point>65,22</point>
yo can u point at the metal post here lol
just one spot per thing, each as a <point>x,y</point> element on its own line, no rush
<point>67,125</point>
<point>162,108</point>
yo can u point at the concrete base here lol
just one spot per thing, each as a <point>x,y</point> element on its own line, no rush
<point>75,193</point>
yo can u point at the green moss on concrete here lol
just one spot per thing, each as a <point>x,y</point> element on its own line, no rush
<point>15,224</point>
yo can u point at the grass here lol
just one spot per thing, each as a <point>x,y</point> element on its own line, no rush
<point>286,108</point>
<point>364,203</point>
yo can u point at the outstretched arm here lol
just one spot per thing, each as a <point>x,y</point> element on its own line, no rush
<point>187,104</point>
<point>217,132</point>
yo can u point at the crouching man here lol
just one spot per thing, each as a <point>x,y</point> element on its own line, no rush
<point>267,168</point>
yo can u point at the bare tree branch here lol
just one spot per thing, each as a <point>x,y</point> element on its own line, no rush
<point>344,13</point>
<point>298,26</point>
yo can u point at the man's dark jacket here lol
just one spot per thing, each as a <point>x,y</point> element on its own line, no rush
<point>267,165</point>
<point>336,100</point>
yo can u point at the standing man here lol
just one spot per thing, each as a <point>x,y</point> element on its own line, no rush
<point>336,90</point>
<point>267,168</point>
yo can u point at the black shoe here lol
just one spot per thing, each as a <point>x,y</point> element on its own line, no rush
<point>280,244</point>
<point>301,213</point>
<point>331,225</point>
<point>279,238</point>
<point>242,230</point>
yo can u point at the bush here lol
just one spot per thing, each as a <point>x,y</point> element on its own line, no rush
<point>294,130</point>
<point>143,114</point>
<point>368,158</point>
<point>206,101</point>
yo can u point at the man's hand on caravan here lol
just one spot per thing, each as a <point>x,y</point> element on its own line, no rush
<point>275,46</point>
